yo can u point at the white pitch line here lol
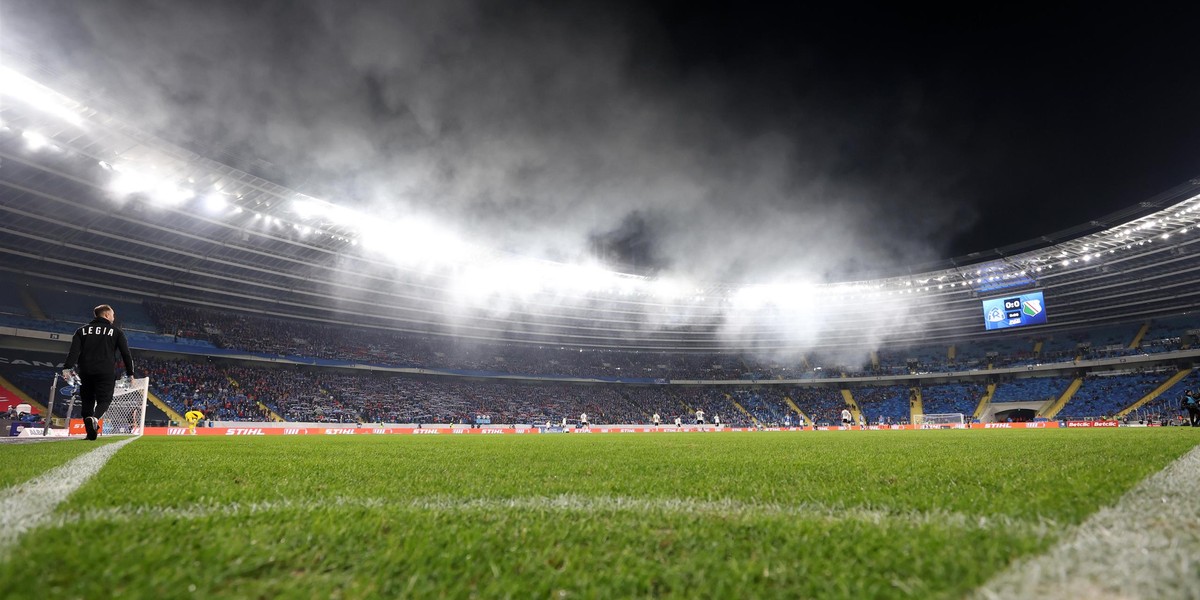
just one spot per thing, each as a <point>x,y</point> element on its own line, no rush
<point>1147,545</point>
<point>568,504</point>
<point>28,505</point>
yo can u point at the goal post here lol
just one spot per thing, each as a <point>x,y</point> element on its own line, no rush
<point>939,419</point>
<point>127,413</point>
<point>125,416</point>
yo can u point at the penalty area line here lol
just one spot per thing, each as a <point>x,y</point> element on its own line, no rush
<point>29,505</point>
<point>1147,545</point>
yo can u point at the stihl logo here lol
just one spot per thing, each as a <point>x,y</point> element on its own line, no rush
<point>427,431</point>
<point>295,431</point>
<point>176,431</point>
<point>628,431</point>
<point>491,430</point>
<point>997,425</point>
<point>339,431</point>
<point>244,432</point>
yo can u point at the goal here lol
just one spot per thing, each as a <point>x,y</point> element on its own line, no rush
<point>939,419</point>
<point>127,413</point>
<point>125,416</point>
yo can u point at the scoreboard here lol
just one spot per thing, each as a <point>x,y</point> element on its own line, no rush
<point>1014,311</point>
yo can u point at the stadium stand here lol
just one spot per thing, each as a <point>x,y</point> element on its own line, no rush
<point>1106,395</point>
<point>254,393</point>
<point>952,398</point>
<point>162,325</point>
<point>11,302</point>
<point>1030,389</point>
<point>888,404</point>
<point>1165,408</point>
<point>822,404</point>
<point>234,393</point>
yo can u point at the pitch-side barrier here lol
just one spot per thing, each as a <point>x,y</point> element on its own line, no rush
<point>594,430</point>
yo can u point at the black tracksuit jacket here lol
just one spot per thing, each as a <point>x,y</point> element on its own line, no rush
<point>94,348</point>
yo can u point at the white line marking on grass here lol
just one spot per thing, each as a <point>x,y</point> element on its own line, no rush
<point>28,505</point>
<point>1147,545</point>
<point>570,504</point>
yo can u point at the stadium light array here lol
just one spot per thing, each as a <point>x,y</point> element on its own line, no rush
<point>36,95</point>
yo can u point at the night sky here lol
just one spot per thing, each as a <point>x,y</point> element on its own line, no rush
<point>721,140</point>
<point>1059,114</point>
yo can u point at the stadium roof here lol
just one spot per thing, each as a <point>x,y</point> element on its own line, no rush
<point>88,200</point>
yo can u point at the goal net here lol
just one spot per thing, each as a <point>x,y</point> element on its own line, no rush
<point>125,416</point>
<point>127,413</point>
<point>939,419</point>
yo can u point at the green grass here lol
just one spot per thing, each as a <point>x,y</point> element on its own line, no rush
<point>837,514</point>
<point>22,462</point>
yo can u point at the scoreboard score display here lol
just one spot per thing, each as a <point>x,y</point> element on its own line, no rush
<point>1014,311</point>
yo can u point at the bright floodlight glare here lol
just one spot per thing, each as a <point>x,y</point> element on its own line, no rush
<point>215,203</point>
<point>338,215</point>
<point>511,278</point>
<point>159,191</point>
<point>413,241</point>
<point>792,296</point>
<point>752,297</point>
<point>24,89</point>
<point>128,182</point>
<point>576,278</point>
<point>169,194</point>
<point>306,209</point>
<point>35,140</point>
<point>666,289</point>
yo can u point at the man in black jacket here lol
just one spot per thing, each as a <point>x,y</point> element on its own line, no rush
<point>94,348</point>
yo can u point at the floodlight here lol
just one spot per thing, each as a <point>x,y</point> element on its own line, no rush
<point>215,203</point>
<point>35,140</point>
<point>306,208</point>
<point>20,87</point>
<point>169,194</point>
<point>666,289</point>
<point>127,181</point>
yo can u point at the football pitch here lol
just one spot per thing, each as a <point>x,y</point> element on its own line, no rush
<point>924,514</point>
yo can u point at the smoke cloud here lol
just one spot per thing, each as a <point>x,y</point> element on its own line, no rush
<point>553,130</point>
<point>540,127</point>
